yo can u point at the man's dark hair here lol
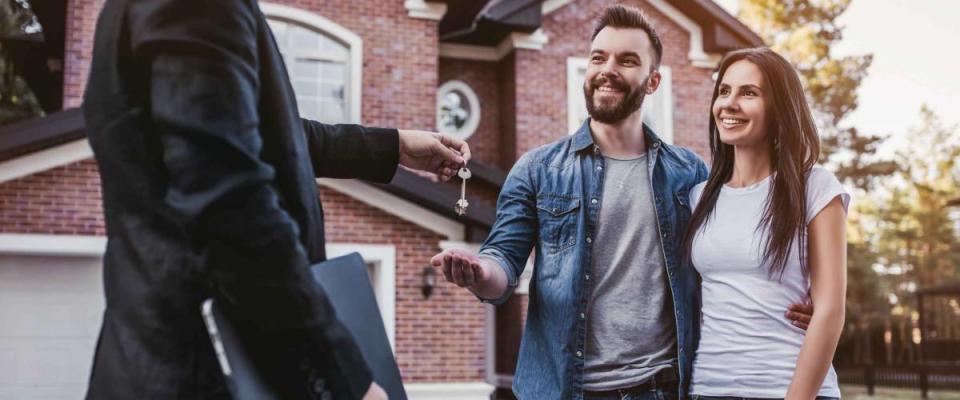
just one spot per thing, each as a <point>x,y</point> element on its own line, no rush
<point>621,16</point>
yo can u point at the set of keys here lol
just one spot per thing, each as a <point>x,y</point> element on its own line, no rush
<point>461,207</point>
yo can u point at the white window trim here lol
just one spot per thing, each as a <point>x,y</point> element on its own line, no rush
<point>550,6</point>
<point>474,120</point>
<point>352,41</point>
<point>574,91</point>
<point>384,259</point>
<point>429,10</point>
<point>666,112</point>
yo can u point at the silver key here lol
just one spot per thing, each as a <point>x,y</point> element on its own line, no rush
<point>461,207</point>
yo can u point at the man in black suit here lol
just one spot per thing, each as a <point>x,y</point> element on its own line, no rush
<point>208,178</point>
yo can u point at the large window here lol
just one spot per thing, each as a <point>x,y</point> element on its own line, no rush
<point>323,60</point>
<point>657,108</point>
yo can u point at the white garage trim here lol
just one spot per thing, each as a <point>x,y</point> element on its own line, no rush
<point>396,206</point>
<point>52,245</point>
<point>446,391</point>
<point>384,257</point>
<point>53,157</point>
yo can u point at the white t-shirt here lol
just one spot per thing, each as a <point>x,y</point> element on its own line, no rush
<point>748,348</point>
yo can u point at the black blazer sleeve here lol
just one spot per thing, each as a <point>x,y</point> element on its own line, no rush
<point>201,59</point>
<point>352,151</point>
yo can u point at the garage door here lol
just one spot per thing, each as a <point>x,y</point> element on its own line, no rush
<point>50,314</point>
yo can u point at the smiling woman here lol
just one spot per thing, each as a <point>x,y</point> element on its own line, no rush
<point>767,231</point>
<point>740,108</point>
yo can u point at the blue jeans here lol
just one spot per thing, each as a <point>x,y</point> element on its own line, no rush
<point>655,394</point>
<point>698,397</point>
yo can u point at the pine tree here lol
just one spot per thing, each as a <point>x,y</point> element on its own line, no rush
<point>805,31</point>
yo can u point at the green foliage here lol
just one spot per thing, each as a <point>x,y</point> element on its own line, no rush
<point>17,101</point>
<point>804,32</point>
<point>915,233</point>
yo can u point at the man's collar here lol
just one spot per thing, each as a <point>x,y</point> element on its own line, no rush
<point>583,138</point>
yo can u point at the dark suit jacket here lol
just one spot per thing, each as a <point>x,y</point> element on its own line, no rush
<point>208,179</point>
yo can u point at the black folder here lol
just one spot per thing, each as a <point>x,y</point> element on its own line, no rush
<point>347,285</point>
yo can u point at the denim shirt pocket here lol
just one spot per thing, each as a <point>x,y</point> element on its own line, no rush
<point>558,221</point>
<point>684,210</point>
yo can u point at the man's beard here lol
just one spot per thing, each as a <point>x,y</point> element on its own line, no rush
<point>631,102</point>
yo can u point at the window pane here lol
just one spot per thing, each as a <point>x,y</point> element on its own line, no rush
<point>317,65</point>
<point>279,29</point>
<point>332,111</point>
<point>306,87</point>
<point>309,41</point>
<point>309,109</point>
<point>306,69</point>
<point>332,91</point>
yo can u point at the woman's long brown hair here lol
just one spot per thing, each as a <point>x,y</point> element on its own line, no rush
<point>794,146</point>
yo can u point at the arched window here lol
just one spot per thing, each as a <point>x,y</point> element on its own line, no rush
<point>324,61</point>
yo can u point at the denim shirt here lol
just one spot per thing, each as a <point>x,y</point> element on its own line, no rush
<point>550,203</point>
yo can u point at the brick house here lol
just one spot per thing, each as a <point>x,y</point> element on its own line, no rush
<point>506,75</point>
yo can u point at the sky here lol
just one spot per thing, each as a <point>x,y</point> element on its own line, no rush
<point>916,60</point>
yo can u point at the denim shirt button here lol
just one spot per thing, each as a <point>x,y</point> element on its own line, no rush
<point>579,353</point>
<point>589,240</point>
<point>583,316</point>
<point>587,277</point>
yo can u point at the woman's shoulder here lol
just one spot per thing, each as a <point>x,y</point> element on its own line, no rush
<point>822,187</point>
<point>819,175</point>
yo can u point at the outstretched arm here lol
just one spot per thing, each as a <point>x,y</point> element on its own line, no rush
<point>828,286</point>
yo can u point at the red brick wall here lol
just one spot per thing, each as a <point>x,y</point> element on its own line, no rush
<point>60,201</point>
<point>438,339</point>
<point>400,56</point>
<point>81,22</point>
<point>483,78</point>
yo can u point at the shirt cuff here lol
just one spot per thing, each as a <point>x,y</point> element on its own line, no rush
<point>511,277</point>
<point>385,148</point>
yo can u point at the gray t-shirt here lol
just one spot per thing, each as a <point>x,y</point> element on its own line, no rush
<point>631,333</point>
